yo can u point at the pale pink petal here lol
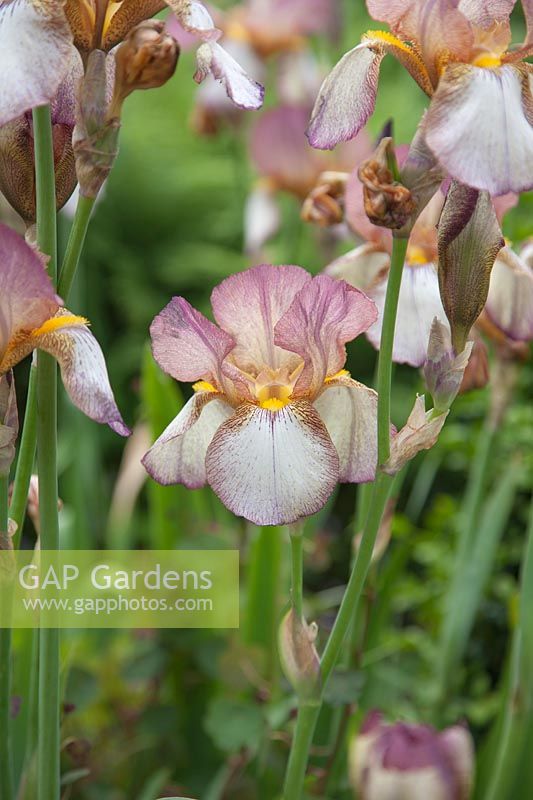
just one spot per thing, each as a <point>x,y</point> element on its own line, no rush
<point>249,304</point>
<point>262,219</point>
<point>346,99</point>
<point>484,13</point>
<point>420,432</point>
<point>242,90</point>
<point>187,345</point>
<point>178,456</point>
<point>418,305</point>
<point>497,154</point>
<point>35,50</point>
<point>195,19</point>
<point>291,17</point>
<point>27,297</point>
<point>396,13</point>
<point>9,422</point>
<point>527,5</point>
<point>359,267</point>
<point>280,150</point>
<point>273,467</point>
<point>84,373</point>
<point>510,299</point>
<point>349,412</point>
<point>504,203</point>
<point>186,40</point>
<point>323,316</point>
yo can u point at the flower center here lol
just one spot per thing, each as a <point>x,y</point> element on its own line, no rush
<point>487,61</point>
<point>416,256</point>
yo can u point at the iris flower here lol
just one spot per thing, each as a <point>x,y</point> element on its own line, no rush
<point>479,122</point>
<point>32,317</point>
<point>275,420</point>
<point>37,38</point>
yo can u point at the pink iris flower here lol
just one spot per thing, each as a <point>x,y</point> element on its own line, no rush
<point>37,39</point>
<point>32,317</point>
<point>479,122</point>
<point>275,421</point>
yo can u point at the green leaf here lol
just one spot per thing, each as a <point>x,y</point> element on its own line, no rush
<point>234,724</point>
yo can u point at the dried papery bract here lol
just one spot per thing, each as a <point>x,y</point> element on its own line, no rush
<point>469,241</point>
<point>406,760</point>
<point>420,432</point>
<point>298,655</point>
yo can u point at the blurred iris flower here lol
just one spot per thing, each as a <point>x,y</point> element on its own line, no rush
<point>479,122</point>
<point>37,39</point>
<point>32,317</point>
<point>275,421</point>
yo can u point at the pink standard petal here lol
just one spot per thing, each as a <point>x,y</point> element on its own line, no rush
<point>273,468</point>
<point>84,374</point>
<point>249,304</point>
<point>242,90</point>
<point>35,50</point>
<point>291,16</point>
<point>346,99</point>
<point>187,345</point>
<point>484,13</point>
<point>323,316</point>
<point>178,456</point>
<point>349,412</point>
<point>496,156</point>
<point>27,297</point>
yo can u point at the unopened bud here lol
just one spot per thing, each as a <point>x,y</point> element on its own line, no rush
<point>298,654</point>
<point>146,59</point>
<point>324,205</point>
<point>405,761</point>
<point>9,422</point>
<point>96,133</point>
<point>444,370</point>
<point>387,202</point>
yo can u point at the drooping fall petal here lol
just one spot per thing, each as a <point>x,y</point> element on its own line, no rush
<point>187,345</point>
<point>273,468</point>
<point>178,456</point>
<point>346,99</point>
<point>360,267</point>
<point>27,298</point>
<point>510,298</point>
<point>262,218</point>
<point>469,240</point>
<point>83,370</point>
<point>248,306</point>
<point>349,412</point>
<point>323,316</point>
<point>479,125</point>
<point>419,303</point>
<point>240,88</point>
<point>35,49</point>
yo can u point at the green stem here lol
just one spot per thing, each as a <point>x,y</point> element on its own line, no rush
<point>519,712</point>
<point>308,714</point>
<point>49,732</point>
<point>296,536</point>
<point>21,484</point>
<point>6,767</point>
<point>75,244</point>
<point>28,441</point>
<point>399,249</point>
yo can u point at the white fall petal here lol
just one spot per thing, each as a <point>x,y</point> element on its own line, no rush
<point>273,467</point>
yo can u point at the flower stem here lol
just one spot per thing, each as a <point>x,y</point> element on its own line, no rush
<point>75,244</point>
<point>296,536</point>
<point>6,774</point>
<point>399,249</point>
<point>48,729</point>
<point>308,714</point>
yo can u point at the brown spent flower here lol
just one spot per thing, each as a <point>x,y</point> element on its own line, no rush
<point>387,202</point>
<point>324,205</point>
<point>146,59</point>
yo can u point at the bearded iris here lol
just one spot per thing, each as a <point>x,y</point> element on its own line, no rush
<point>479,123</point>
<point>37,39</point>
<point>32,317</point>
<point>275,421</point>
